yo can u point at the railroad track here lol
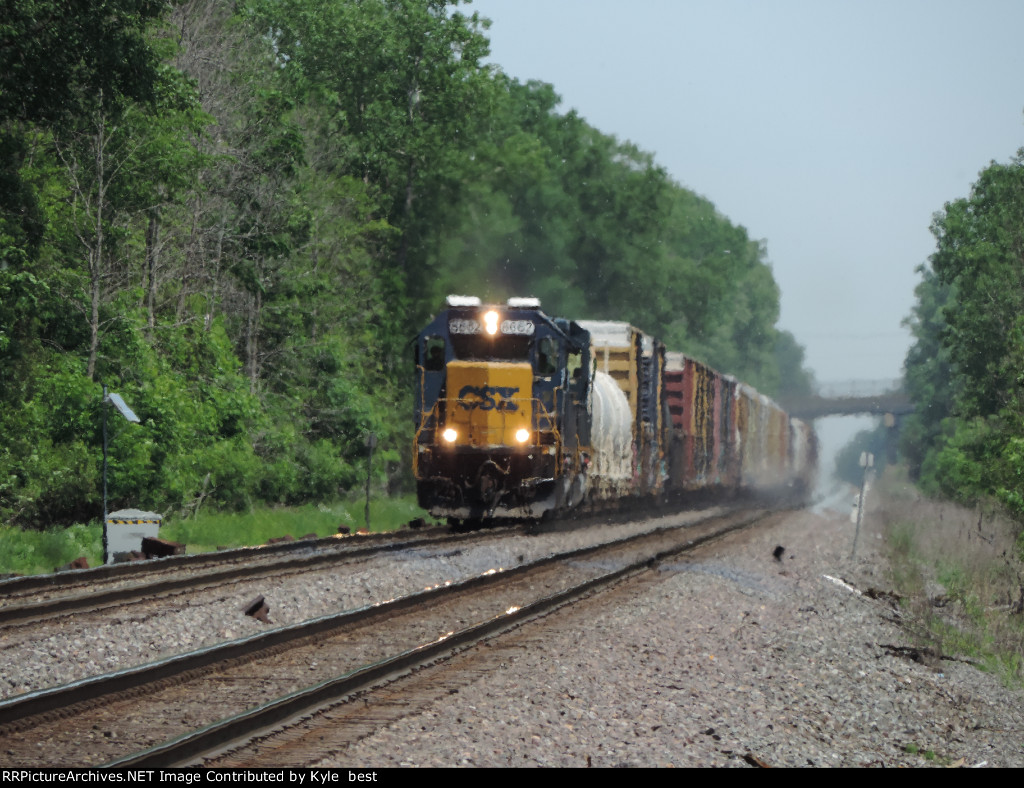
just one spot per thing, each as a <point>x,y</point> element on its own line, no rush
<point>30,600</point>
<point>174,711</point>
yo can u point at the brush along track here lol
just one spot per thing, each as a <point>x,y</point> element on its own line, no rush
<point>273,673</point>
<point>59,595</point>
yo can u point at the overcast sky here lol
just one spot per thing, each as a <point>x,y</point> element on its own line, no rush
<point>831,130</point>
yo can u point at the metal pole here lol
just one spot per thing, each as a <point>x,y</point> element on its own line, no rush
<point>106,407</point>
<point>868,461</point>
<point>860,512</point>
<point>371,441</point>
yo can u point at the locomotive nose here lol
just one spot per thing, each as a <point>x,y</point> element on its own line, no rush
<point>489,403</point>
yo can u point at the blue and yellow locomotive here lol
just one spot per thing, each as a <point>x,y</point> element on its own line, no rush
<point>502,411</point>
<point>520,414</point>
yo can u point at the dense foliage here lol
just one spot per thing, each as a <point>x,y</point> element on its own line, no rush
<point>236,215</point>
<point>966,370</point>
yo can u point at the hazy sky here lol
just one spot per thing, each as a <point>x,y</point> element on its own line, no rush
<point>832,130</point>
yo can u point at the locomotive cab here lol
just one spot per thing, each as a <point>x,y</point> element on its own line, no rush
<point>501,404</point>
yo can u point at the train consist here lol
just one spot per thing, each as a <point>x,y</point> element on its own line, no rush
<point>519,415</point>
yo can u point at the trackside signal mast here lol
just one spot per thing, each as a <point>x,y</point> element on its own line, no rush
<point>122,408</point>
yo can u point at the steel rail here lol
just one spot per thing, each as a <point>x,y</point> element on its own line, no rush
<point>93,688</point>
<point>28,612</point>
<point>128,570</point>
<point>238,729</point>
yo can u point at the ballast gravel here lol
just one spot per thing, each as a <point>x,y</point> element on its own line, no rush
<point>729,657</point>
<point>67,650</point>
<point>725,657</point>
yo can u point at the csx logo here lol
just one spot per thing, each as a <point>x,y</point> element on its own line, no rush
<point>488,398</point>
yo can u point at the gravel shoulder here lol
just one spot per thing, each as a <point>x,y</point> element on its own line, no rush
<point>727,657</point>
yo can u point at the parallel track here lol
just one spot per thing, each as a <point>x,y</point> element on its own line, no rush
<point>276,665</point>
<point>126,584</point>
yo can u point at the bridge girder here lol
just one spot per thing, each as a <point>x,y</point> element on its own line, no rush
<point>809,408</point>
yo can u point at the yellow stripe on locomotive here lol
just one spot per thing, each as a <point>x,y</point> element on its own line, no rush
<point>489,403</point>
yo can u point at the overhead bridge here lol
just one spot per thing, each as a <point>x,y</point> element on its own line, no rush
<point>852,398</point>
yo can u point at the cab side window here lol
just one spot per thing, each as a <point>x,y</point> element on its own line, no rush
<point>575,367</point>
<point>547,356</point>
<point>433,355</point>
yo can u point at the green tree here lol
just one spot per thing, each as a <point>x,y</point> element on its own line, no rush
<point>60,59</point>
<point>928,376</point>
<point>795,380</point>
<point>964,371</point>
<point>980,251</point>
<point>402,81</point>
<point>57,57</point>
<point>237,215</point>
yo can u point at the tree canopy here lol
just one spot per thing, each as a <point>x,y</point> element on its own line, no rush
<point>237,215</point>
<point>966,369</point>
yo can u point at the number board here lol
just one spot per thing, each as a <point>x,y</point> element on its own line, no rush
<point>523,328</point>
<point>463,327</point>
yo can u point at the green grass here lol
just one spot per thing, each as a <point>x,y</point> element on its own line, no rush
<point>903,563</point>
<point>209,531</point>
<point>928,755</point>
<point>39,552</point>
<point>968,557</point>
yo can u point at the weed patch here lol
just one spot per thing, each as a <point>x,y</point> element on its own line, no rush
<point>959,572</point>
<point>39,552</point>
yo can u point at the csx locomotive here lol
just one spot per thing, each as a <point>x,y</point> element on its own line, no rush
<point>519,414</point>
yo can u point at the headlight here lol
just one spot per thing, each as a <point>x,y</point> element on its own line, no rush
<point>491,322</point>
<point>522,435</point>
<point>450,435</point>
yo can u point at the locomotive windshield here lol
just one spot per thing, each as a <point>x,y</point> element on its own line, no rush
<point>501,347</point>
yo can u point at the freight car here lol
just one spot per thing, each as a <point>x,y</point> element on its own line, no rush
<point>519,415</point>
